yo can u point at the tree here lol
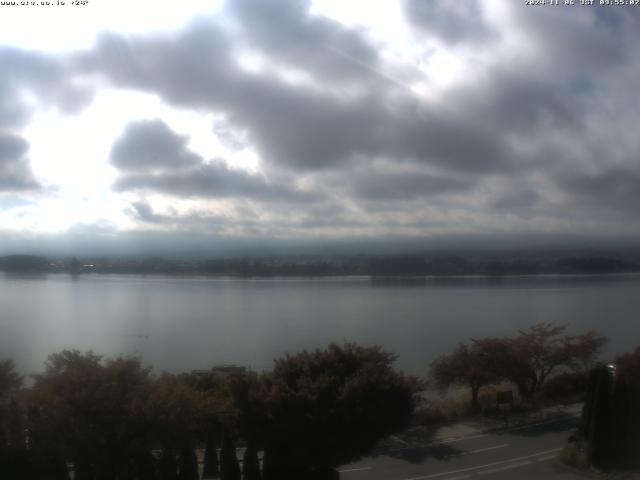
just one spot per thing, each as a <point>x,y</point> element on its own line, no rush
<point>10,381</point>
<point>250,463</point>
<point>610,424</point>
<point>474,365</point>
<point>625,423</point>
<point>188,464</point>
<point>171,407</point>
<point>88,406</point>
<point>168,467</point>
<point>541,350</point>
<point>329,407</point>
<point>229,467</point>
<point>628,367</point>
<point>210,467</point>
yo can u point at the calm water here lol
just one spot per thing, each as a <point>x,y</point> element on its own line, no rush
<point>186,323</point>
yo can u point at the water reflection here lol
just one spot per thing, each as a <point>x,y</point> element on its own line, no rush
<point>195,322</point>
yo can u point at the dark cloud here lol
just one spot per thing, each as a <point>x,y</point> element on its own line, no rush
<point>294,126</point>
<point>287,33</point>
<point>12,147</point>
<point>150,156</point>
<point>516,200</point>
<point>149,145</point>
<point>277,222</point>
<point>614,188</point>
<point>393,186</point>
<point>45,78</point>
<point>191,68</point>
<point>15,173</point>
<point>308,131</point>
<point>143,211</point>
<point>519,101</point>
<point>291,126</point>
<point>452,22</point>
<point>578,40</point>
<point>214,180</point>
<point>544,110</point>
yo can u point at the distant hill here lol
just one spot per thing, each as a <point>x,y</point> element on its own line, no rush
<point>24,263</point>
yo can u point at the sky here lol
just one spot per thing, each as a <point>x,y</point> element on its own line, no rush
<point>210,124</point>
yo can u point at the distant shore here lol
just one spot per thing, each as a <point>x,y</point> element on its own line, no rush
<point>384,268</point>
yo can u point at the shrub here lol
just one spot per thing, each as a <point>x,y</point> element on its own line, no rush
<point>569,387</point>
<point>574,456</point>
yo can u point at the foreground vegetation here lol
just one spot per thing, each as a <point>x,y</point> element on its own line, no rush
<point>542,362</point>
<point>547,366</point>
<point>113,419</point>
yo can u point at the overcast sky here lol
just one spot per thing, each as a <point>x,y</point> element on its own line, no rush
<point>326,120</point>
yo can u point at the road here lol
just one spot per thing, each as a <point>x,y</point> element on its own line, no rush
<point>525,452</point>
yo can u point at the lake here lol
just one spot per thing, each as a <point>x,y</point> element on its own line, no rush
<point>184,323</point>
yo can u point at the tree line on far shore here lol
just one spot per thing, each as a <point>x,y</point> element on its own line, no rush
<point>389,266</point>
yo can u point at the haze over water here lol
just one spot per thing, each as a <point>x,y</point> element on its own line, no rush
<point>179,324</point>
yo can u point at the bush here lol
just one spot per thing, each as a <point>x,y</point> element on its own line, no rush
<point>330,407</point>
<point>570,387</point>
<point>574,456</point>
<point>457,405</point>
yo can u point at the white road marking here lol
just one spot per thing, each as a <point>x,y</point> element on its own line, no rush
<point>507,467</point>
<point>478,467</point>
<point>435,443</point>
<point>486,449</point>
<point>473,437</point>
<point>361,469</point>
<point>479,450</point>
<point>545,459</point>
<point>458,439</point>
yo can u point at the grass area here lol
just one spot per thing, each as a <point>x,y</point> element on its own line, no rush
<point>436,410</point>
<point>456,405</point>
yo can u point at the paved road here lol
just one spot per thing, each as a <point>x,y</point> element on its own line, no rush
<point>525,452</point>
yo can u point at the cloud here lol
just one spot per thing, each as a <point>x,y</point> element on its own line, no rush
<point>150,156</point>
<point>309,131</point>
<point>516,200</point>
<point>590,38</point>
<point>527,111</point>
<point>143,211</point>
<point>532,135</point>
<point>297,127</point>
<point>150,144</point>
<point>280,220</point>
<point>614,188</point>
<point>372,185</point>
<point>15,173</point>
<point>288,34</point>
<point>452,22</point>
<point>27,77</point>
<point>191,68</point>
<point>214,180</point>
